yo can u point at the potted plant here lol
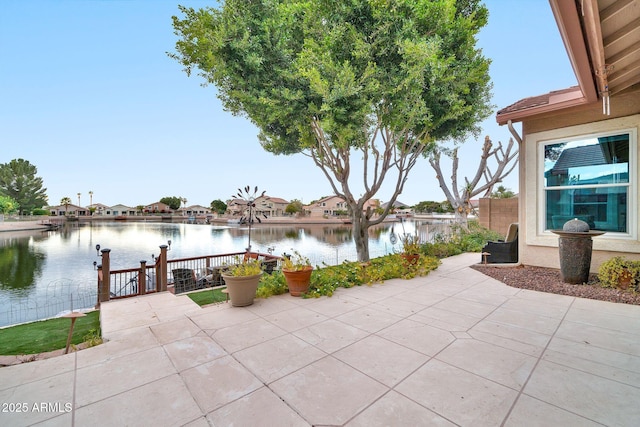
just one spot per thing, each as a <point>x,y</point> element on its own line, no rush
<point>411,248</point>
<point>297,272</point>
<point>619,272</point>
<point>242,280</point>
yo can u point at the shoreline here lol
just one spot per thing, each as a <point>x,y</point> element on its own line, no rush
<point>45,223</point>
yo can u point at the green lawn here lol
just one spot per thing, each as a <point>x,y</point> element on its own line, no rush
<point>208,296</point>
<point>47,335</point>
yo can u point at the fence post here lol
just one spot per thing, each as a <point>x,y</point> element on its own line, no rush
<point>142,278</point>
<point>99,286</point>
<point>105,285</point>
<point>163,268</point>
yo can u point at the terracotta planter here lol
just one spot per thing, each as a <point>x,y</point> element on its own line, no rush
<point>298,281</point>
<point>410,258</point>
<point>625,279</point>
<point>242,289</point>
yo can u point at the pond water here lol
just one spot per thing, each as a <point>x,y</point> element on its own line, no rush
<point>45,273</point>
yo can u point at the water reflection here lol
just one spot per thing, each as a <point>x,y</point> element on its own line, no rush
<point>36,265</point>
<point>20,264</point>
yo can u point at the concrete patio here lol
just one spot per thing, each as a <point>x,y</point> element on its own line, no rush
<point>453,348</point>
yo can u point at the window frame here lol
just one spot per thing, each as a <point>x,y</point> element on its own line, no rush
<point>632,185</point>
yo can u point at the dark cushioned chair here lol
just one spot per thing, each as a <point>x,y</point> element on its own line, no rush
<point>502,251</point>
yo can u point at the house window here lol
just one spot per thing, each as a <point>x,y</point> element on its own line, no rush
<point>589,178</point>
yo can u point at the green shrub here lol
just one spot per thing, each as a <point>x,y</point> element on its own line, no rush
<point>616,269</point>
<point>324,281</point>
<point>272,284</point>
<point>461,240</point>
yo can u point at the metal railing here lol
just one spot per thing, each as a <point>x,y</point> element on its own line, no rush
<point>123,283</point>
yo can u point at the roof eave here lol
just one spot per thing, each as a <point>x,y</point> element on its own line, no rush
<point>559,102</point>
<point>568,20</point>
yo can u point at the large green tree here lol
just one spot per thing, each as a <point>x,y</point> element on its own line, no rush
<point>218,206</point>
<point>370,81</point>
<point>172,201</point>
<point>18,181</point>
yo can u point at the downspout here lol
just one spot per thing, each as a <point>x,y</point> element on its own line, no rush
<point>515,134</point>
<point>518,138</point>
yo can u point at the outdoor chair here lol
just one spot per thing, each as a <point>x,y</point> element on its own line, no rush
<point>184,280</point>
<point>502,251</point>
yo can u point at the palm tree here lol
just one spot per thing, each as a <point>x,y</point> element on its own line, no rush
<point>66,201</point>
<point>91,202</point>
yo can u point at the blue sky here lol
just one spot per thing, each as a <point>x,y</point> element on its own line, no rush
<point>89,96</point>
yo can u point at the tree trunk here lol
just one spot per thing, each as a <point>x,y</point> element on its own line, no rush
<point>361,234</point>
<point>461,218</point>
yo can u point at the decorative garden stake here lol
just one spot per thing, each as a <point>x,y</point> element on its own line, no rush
<point>250,199</point>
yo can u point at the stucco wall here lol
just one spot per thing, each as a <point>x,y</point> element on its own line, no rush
<point>540,247</point>
<point>497,214</point>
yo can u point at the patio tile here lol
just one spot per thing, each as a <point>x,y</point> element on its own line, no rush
<point>260,408</point>
<point>607,307</point>
<point>193,351</point>
<point>332,307</point>
<point>466,307</point>
<point>264,307</point>
<point>616,322</point>
<point>216,383</point>
<point>536,307</point>
<point>117,322</point>
<point>296,318</point>
<point>511,332</point>
<point>426,297</point>
<point>238,337</point>
<point>480,294</point>
<point>199,422</point>
<point>220,316</point>
<point>163,402</point>
<point>276,358</point>
<point>364,294</point>
<point>330,335</point>
<point>369,319</point>
<point>381,359</point>
<point>117,375</point>
<point>492,287</point>
<point>418,336</point>
<point>122,343</point>
<point>590,396</point>
<point>12,376</point>
<point>399,307</point>
<point>498,364</point>
<point>605,338</point>
<point>56,389</point>
<point>328,383</point>
<point>529,321</point>
<point>462,397</point>
<point>176,330</point>
<point>532,412</point>
<point>445,319</point>
<point>445,286</point>
<point>393,409</point>
<point>512,344</point>
<point>556,300</point>
<point>588,351</point>
<point>621,367</point>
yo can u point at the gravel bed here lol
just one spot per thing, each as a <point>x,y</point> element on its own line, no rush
<point>548,280</point>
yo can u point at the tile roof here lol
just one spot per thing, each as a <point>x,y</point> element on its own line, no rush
<point>535,101</point>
